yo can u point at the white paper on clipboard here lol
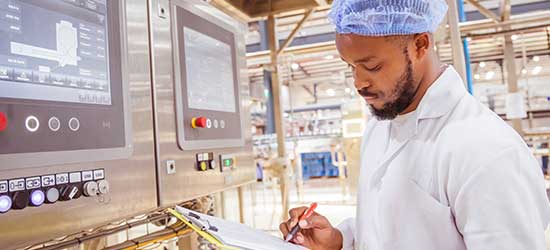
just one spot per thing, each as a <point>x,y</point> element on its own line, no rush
<point>239,235</point>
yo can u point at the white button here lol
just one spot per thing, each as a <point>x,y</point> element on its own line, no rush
<point>32,123</point>
<point>222,124</point>
<point>103,186</point>
<point>54,124</point>
<point>215,123</point>
<point>208,123</point>
<point>74,124</point>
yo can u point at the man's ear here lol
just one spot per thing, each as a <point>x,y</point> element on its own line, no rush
<point>422,44</point>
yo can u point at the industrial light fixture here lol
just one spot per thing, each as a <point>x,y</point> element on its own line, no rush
<point>477,76</point>
<point>515,37</point>
<point>331,92</point>
<point>347,90</point>
<point>536,58</point>
<point>468,39</point>
<point>329,57</point>
<point>524,71</point>
<point>537,70</point>
<point>489,75</point>
<point>295,66</point>
<point>482,64</point>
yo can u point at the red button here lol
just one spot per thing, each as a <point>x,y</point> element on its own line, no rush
<point>4,121</point>
<point>198,122</point>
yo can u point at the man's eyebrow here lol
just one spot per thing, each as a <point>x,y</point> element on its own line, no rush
<point>365,59</point>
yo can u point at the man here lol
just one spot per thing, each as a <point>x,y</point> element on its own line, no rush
<point>439,170</point>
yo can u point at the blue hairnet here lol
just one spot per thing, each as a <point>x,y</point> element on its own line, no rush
<point>387,17</point>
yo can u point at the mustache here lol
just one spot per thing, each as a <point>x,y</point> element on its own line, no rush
<point>365,92</point>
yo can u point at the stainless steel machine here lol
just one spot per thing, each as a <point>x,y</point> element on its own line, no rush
<point>76,119</point>
<point>114,108</point>
<point>201,100</point>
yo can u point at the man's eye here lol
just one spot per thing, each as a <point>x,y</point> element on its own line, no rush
<point>373,69</point>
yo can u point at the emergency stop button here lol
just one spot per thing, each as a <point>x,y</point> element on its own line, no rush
<point>199,122</point>
<point>3,121</point>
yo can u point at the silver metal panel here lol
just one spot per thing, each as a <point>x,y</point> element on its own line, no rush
<point>187,183</point>
<point>133,189</point>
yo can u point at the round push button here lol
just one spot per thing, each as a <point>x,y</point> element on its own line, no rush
<point>199,122</point>
<point>32,123</point>
<point>222,124</point>
<point>5,203</point>
<point>103,186</point>
<point>37,197</point>
<point>208,123</point>
<point>216,124</point>
<point>52,195</point>
<point>3,121</point>
<point>74,124</point>
<point>20,200</point>
<point>54,124</point>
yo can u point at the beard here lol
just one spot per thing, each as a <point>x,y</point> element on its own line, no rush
<point>405,92</point>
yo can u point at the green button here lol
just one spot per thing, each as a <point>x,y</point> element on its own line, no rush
<point>227,162</point>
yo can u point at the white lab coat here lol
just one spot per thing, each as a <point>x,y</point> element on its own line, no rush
<point>455,176</point>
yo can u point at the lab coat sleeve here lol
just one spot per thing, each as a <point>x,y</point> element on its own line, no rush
<point>347,228</point>
<point>502,204</point>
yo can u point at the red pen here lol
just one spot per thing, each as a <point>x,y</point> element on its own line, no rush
<point>304,216</point>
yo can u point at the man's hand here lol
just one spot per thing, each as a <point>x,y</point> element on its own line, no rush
<point>317,233</point>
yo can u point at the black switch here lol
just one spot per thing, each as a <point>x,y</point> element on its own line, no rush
<point>70,192</point>
<point>20,200</point>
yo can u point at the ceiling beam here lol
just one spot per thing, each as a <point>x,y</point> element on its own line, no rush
<point>321,2</point>
<point>274,7</point>
<point>484,11</point>
<point>295,31</point>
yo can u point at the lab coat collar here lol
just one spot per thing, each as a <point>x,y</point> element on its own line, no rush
<point>442,96</point>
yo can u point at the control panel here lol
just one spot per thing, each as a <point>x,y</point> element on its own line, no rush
<point>61,83</point>
<point>20,193</point>
<point>201,100</point>
<point>208,97</point>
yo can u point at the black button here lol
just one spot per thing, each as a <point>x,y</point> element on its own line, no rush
<point>20,200</point>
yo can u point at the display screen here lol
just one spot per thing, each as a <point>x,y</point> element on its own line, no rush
<point>210,76</point>
<point>54,50</point>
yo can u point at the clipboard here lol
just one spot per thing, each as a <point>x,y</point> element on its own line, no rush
<point>228,235</point>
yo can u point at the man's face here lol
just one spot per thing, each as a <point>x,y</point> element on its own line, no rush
<point>382,70</point>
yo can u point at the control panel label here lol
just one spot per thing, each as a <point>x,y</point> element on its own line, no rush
<point>48,180</point>
<point>87,175</point>
<point>17,185</point>
<point>75,177</point>
<point>33,182</point>
<point>62,178</point>
<point>3,187</point>
<point>99,174</point>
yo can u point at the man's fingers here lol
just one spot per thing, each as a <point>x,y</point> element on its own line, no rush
<point>295,214</point>
<point>318,222</point>
<point>284,229</point>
